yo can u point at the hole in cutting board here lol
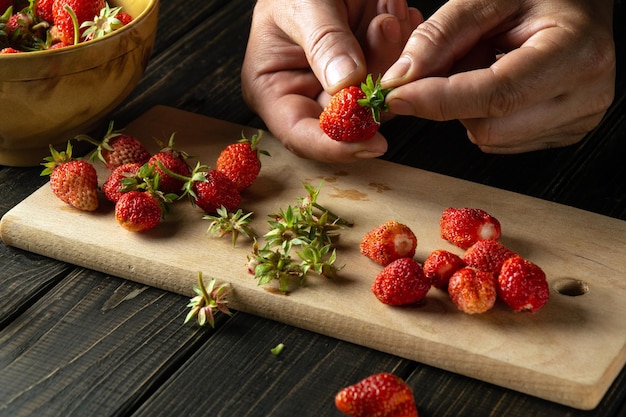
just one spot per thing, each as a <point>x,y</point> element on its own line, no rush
<point>571,287</point>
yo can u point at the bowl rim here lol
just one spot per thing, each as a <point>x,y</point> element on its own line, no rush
<point>152,4</point>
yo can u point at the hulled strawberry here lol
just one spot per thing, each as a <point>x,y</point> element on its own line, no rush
<point>465,226</point>
<point>389,241</point>
<point>522,285</point>
<point>117,148</point>
<point>83,11</point>
<point>439,267</point>
<point>472,291</point>
<point>74,181</point>
<point>138,211</point>
<point>120,181</point>
<point>401,282</point>
<point>240,161</point>
<point>175,162</point>
<point>378,395</point>
<point>487,255</point>
<point>353,113</point>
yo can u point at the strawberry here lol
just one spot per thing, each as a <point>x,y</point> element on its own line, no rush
<point>174,161</point>
<point>43,10</point>
<point>9,50</point>
<point>439,267</point>
<point>465,226</point>
<point>487,255</point>
<point>472,291</point>
<point>240,161</point>
<point>522,285</point>
<point>117,149</point>
<point>114,186</point>
<point>353,113</point>
<point>215,191</point>
<point>401,282</point>
<point>124,18</point>
<point>388,242</point>
<point>378,395</point>
<point>138,211</point>
<point>74,181</point>
<point>83,10</point>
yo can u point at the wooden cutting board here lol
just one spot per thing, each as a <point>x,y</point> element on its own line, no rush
<point>569,352</point>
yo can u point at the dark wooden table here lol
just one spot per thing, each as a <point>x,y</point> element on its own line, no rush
<point>75,342</point>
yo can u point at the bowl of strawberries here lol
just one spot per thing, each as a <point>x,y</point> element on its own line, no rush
<point>65,65</point>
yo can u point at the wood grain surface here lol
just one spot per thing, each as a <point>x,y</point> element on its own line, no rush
<point>569,352</point>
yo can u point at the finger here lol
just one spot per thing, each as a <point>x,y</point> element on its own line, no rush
<point>444,38</point>
<point>387,34</point>
<point>323,31</point>
<point>527,75</point>
<point>551,124</point>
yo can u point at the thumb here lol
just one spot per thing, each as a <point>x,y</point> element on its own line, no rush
<point>445,39</point>
<point>332,51</point>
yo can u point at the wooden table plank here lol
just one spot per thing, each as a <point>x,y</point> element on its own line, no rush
<point>94,345</point>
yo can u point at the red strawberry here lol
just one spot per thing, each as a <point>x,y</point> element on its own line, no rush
<point>117,149</point>
<point>114,186</point>
<point>353,114</point>
<point>472,291</point>
<point>85,10</point>
<point>138,211</point>
<point>74,181</point>
<point>9,50</point>
<point>124,18</point>
<point>522,285</point>
<point>240,161</point>
<point>175,162</point>
<point>465,226</point>
<point>214,191</point>
<point>379,395</point>
<point>487,255</point>
<point>388,242</point>
<point>439,267</point>
<point>43,10</point>
<point>401,282</point>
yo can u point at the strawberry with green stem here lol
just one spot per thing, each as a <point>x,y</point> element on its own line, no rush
<point>117,148</point>
<point>73,180</point>
<point>240,161</point>
<point>208,299</point>
<point>144,206</point>
<point>173,160</point>
<point>353,113</point>
<point>69,15</point>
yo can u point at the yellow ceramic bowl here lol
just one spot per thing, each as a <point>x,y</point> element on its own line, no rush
<point>48,97</point>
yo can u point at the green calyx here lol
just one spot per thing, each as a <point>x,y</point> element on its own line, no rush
<point>374,97</point>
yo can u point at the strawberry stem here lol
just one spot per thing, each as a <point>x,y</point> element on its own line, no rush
<point>69,10</point>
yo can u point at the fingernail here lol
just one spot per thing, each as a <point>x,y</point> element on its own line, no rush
<point>338,69</point>
<point>391,30</point>
<point>397,70</point>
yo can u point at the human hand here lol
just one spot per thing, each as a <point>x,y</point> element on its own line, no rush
<point>300,52</point>
<point>552,84</point>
